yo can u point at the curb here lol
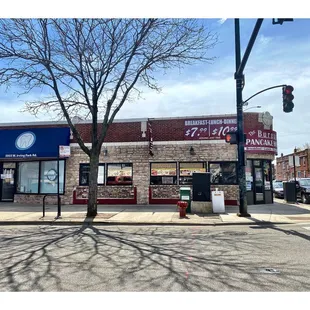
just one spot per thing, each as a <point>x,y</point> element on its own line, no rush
<point>91,223</point>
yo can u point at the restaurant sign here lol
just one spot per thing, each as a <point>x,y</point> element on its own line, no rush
<point>261,141</point>
<point>257,141</point>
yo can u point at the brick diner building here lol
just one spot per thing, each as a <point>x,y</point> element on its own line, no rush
<point>143,161</point>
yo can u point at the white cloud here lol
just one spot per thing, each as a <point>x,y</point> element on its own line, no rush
<point>222,21</point>
<point>264,40</point>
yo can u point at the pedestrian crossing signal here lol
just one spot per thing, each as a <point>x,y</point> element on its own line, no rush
<point>231,137</point>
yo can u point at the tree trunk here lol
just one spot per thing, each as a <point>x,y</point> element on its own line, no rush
<point>93,189</point>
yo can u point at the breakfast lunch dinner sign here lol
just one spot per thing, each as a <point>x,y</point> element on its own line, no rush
<point>257,140</point>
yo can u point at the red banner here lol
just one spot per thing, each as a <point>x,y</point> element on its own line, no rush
<point>209,129</point>
<point>258,141</point>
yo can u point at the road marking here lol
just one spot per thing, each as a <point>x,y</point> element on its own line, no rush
<point>307,228</point>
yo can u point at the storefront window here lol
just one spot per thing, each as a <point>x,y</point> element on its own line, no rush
<point>223,172</point>
<point>163,173</point>
<point>28,177</point>
<point>249,175</point>
<point>84,174</point>
<point>49,177</point>
<point>267,175</point>
<point>119,174</point>
<point>29,180</point>
<point>187,170</point>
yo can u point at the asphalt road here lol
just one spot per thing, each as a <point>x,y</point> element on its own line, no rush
<point>155,258</point>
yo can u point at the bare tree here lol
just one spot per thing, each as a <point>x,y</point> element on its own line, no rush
<point>91,67</point>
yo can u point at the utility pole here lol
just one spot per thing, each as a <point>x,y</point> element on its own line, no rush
<point>239,77</point>
<point>240,127</point>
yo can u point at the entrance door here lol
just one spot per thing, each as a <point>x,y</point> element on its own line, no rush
<point>7,186</point>
<point>259,185</point>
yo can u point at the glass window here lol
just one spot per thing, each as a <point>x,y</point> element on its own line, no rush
<point>248,175</point>
<point>84,174</point>
<point>28,177</point>
<point>163,173</point>
<point>223,172</point>
<point>267,175</point>
<point>119,174</point>
<point>49,177</point>
<point>187,170</point>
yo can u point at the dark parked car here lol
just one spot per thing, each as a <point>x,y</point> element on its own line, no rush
<point>303,189</point>
<point>278,189</point>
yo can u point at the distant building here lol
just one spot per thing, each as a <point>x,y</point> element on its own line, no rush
<point>285,168</point>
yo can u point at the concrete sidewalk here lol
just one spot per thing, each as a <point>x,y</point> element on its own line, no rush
<point>277,213</point>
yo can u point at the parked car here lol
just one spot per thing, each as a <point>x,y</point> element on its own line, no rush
<point>303,189</point>
<point>278,189</point>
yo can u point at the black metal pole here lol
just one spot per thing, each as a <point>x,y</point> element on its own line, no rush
<point>294,165</point>
<point>58,197</point>
<point>262,92</point>
<point>247,52</point>
<point>241,160</point>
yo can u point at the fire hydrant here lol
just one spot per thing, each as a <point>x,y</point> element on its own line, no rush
<point>182,208</point>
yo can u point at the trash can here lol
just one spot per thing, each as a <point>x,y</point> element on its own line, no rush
<point>185,195</point>
<point>218,202</point>
<point>289,189</point>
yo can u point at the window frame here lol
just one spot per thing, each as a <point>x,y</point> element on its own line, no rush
<point>224,162</point>
<point>39,177</point>
<point>88,164</point>
<point>205,166</point>
<point>174,176</point>
<point>118,163</point>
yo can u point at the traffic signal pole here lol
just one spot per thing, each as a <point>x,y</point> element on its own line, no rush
<point>239,77</point>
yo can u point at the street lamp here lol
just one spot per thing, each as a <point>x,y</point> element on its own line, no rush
<point>256,107</point>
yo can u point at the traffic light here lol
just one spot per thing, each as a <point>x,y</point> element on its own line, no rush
<point>287,92</point>
<point>277,21</point>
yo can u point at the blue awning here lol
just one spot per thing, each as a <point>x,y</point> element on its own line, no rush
<point>32,142</point>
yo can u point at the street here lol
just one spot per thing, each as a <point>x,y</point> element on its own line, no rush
<point>155,258</point>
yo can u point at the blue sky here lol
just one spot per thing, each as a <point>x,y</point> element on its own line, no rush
<point>281,55</point>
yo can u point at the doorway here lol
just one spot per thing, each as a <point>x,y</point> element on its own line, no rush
<point>258,177</point>
<point>7,185</point>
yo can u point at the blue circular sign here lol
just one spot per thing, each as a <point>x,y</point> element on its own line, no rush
<point>25,141</point>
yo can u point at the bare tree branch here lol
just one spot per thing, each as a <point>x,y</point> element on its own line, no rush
<point>92,67</point>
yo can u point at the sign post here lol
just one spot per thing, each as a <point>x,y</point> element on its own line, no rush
<point>63,152</point>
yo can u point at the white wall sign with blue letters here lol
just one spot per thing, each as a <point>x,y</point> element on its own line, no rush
<point>33,142</point>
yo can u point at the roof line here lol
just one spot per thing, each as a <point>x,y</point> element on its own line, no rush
<point>130,120</point>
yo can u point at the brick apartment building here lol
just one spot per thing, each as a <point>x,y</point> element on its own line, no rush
<point>129,173</point>
<point>285,169</point>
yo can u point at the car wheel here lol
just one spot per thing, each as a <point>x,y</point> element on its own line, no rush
<point>304,199</point>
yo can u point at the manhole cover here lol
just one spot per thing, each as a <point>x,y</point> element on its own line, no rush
<point>269,270</point>
<point>235,233</point>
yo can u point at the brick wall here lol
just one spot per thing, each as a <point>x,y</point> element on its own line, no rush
<point>125,143</point>
<point>285,172</point>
